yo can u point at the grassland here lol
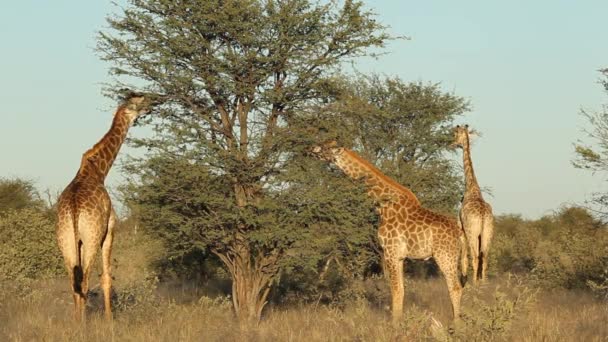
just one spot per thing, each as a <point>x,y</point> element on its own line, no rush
<point>146,310</point>
<point>44,314</point>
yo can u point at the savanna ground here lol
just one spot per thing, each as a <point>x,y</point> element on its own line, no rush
<point>44,315</point>
<point>508,308</point>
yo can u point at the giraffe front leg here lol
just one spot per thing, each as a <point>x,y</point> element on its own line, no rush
<point>448,264</point>
<point>394,266</point>
<point>106,275</point>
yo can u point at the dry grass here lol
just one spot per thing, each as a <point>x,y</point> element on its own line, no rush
<point>181,313</point>
<point>44,315</point>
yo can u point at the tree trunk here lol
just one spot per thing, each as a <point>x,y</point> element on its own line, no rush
<point>251,280</point>
<point>250,289</point>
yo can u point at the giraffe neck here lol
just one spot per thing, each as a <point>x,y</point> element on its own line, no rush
<point>103,153</point>
<point>472,189</point>
<point>380,185</point>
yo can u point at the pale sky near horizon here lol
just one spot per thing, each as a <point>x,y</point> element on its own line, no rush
<point>527,67</point>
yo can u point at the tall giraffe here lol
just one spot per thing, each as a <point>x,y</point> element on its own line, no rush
<point>407,230</point>
<point>85,217</point>
<point>475,213</point>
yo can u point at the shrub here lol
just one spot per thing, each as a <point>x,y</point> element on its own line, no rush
<point>491,320</point>
<point>18,194</point>
<point>565,249</point>
<point>29,249</point>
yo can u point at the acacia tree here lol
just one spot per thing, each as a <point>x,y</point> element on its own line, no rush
<point>596,159</point>
<point>222,174</point>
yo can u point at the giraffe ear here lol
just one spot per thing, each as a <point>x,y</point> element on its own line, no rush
<point>474,133</point>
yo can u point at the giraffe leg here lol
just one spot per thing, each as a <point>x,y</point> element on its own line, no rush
<point>71,256</point>
<point>474,250</point>
<point>106,275</point>
<point>394,266</point>
<point>486,238</point>
<point>84,295</point>
<point>89,251</point>
<point>448,264</point>
<point>77,315</point>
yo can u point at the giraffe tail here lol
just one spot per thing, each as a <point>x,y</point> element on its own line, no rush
<point>464,260</point>
<point>482,255</point>
<point>77,269</point>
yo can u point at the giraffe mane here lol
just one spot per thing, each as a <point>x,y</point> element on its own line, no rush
<point>90,152</point>
<point>388,180</point>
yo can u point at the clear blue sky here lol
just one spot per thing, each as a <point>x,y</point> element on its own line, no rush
<point>526,66</point>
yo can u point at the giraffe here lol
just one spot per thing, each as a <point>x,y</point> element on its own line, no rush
<point>475,213</point>
<point>85,217</point>
<point>407,229</point>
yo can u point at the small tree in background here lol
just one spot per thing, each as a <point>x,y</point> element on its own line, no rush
<point>18,194</point>
<point>596,158</point>
<point>27,234</point>
<point>223,174</point>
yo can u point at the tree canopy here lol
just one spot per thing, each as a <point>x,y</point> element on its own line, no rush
<point>596,158</point>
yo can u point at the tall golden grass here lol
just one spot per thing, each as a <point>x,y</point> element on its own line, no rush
<point>504,309</point>
<point>44,314</point>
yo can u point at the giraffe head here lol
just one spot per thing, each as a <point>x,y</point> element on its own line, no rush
<point>327,151</point>
<point>462,135</point>
<point>134,105</point>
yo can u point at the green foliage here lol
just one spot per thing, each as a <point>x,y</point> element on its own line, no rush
<point>404,129</point>
<point>600,287</point>
<point>138,296</point>
<point>29,249</point>
<point>27,234</point>
<point>562,250</point>
<point>595,158</point>
<point>18,194</point>
<point>492,320</point>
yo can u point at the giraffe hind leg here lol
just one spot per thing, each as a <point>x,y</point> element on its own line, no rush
<point>106,276</point>
<point>486,237</point>
<point>90,246</point>
<point>70,250</point>
<point>480,260</point>
<point>474,251</point>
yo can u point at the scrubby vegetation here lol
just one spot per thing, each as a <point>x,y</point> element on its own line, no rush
<point>27,230</point>
<point>543,286</point>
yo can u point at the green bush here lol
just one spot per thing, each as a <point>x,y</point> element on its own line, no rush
<point>565,249</point>
<point>17,193</point>
<point>29,248</point>
<point>493,319</point>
